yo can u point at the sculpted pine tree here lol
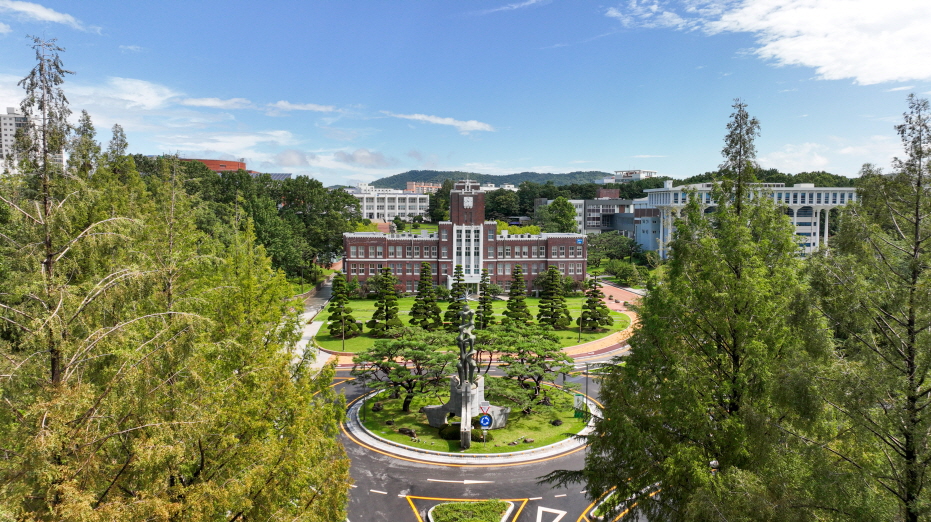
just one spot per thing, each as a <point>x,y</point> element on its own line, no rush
<point>486,311</point>
<point>719,388</point>
<point>342,324</point>
<point>386,307</point>
<point>874,290</point>
<point>426,313</point>
<point>552,310</point>
<point>457,295</point>
<point>516,311</point>
<point>595,314</point>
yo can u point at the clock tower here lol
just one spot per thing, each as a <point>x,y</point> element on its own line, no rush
<point>467,204</point>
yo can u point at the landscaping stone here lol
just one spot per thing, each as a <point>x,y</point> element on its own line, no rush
<point>528,441</point>
<point>407,431</point>
<point>389,422</point>
<point>377,407</point>
<point>556,422</point>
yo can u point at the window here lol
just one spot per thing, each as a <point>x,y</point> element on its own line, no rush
<point>507,269</point>
<point>416,251</point>
<point>819,198</point>
<point>491,252</point>
<point>416,286</point>
<point>433,251</point>
<point>408,268</point>
<point>553,252</point>
<point>372,252</point>
<point>407,251</point>
<point>542,252</point>
<point>842,198</point>
<point>562,251</point>
<point>416,268</point>
<point>500,268</point>
<point>443,234</point>
<point>444,252</point>
<point>433,268</point>
<point>507,251</point>
<point>491,234</point>
<point>834,198</point>
<point>410,286</point>
<point>445,269</point>
<point>533,268</point>
<point>352,269</point>
<point>500,251</point>
<point>572,251</point>
<point>524,250</point>
<point>352,251</point>
<point>578,269</point>
<point>390,251</point>
<point>371,269</point>
<point>562,268</point>
<point>571,268</point>
<point>381,252</point>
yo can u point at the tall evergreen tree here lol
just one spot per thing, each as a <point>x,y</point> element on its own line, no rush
<point>516,311</point>
<point>84,151</point>
<point>595,314</point>
<point>342,324</point>
<point>874,288</point>
<point>552,309</point>
<point>486,311</point>
<point>386,307</point>
<point>718,390</point>
<point>457,295</point>
<point>426,313</point>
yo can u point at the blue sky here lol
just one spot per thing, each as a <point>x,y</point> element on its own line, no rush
<point>354,91</point>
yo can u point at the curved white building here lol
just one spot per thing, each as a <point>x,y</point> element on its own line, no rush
<point>805,204</point>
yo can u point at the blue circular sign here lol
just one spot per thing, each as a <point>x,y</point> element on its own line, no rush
<point>485,421</point>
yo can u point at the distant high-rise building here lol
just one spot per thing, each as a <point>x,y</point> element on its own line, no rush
<point>9,122</point>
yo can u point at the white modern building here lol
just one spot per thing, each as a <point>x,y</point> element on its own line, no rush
<point>9,122</point>
<point>386,204</point>
<point>627,176</point>
<point>804,203</point>
<point>490,187</point>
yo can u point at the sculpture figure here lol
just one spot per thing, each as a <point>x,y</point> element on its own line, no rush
<point>466,342</point>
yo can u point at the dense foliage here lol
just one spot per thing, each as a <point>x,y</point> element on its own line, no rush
<point>147,361</point>
<point>426,313</point>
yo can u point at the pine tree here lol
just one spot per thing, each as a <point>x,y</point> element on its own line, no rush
<point>486,311</point>
<point>552,309</point>
<point>516,311</point>
<point>720,386</point>
<point>457,295</point>
<point>874,290</point>
<point>386,307</point>
<point>84,149</point>
<point>426,313</point>
<point>595,314</point>
<point>342,324</point>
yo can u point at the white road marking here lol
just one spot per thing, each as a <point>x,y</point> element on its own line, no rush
<point>353,486</point>
<point>462,481</point>
<point>535,498</point>
<point>557,496</point>
<point>559,514</point>
<point>379,492</point>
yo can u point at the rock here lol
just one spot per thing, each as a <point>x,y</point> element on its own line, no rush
<point>407,431</point>
<point>528,441</point>
<point>512,443</point>
<point>556,422</point>
<point>422,409</point>
<point>389,422</point>
<point>377,407</point>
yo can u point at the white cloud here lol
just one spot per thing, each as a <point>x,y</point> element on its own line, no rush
<point>512,7</point>
<point>35,12</point>
<point>294,158</point>
<point>464,127</point>
<point>288,106</point>
<point>868,41</point>
<point>217,103</point>
<point>5,29</point>
<point>127,93</point>
<point>364,158</point>
<point>131,48</point>
<point>805,157</point>
<point>905,88</point>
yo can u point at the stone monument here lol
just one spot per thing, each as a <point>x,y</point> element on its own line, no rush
<point>466,390</point>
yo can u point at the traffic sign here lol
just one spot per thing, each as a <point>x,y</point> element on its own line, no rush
<point>485,421</point>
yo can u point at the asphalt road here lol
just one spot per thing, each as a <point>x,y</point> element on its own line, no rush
<point>392,489</point>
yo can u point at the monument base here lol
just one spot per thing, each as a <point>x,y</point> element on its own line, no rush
<point>437,415</point>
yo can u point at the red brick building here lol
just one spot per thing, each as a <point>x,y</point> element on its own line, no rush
<point>467,240</point>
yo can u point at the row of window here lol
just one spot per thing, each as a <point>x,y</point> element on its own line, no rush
<point>790,198</point>
<point>399,269</point>
<point>504,252</point>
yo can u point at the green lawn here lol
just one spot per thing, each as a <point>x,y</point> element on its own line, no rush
<point>535,426</point>
<point>362,310</point>
<point>432,227</point>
